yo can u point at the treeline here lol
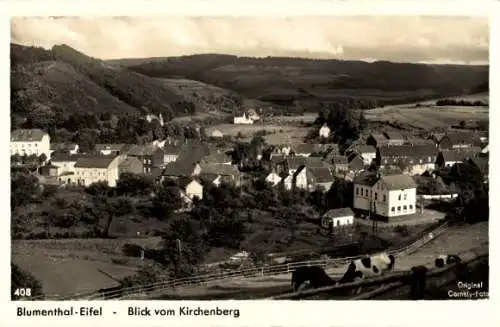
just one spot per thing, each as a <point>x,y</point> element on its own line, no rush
<point>88,129</point>
<point>462,103</point>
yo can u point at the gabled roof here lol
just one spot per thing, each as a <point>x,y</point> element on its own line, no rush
<point>142,150</point>
<point>178,169</point>
<point>408,151</point>
<point>217,157</point>
<point>128,162</point>
<point>321,174</point>
<point>315,162</point>
<point>62,146</point>
<point>65,157</point>
<point>366,178</point>
<point>394,136</point>
<point>459,155</point>
<point>356,162</point>
<point>365,149</point>
<point>339,160</point>
<point>183,182</point>
<point>99,162</point>
<point>461,137</point>
<point>398,182</point>
<point>27,135</point>
<point>220,169</point>
<point>340,212</point>
<point>379,137</point>
<point>208,177</point>
<point>296,162</point>
<point>304,148</point>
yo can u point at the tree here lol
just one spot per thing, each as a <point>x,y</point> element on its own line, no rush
<point>183,246</point>
<point>134,184</point>
<point>25,188</point>
<point>99,188</point>
<point>41,116</point>
<point>107,209</point>
<point>166,200</point>
<point>23,280</point>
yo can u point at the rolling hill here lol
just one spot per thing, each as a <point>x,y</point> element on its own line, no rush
<point>67,79</point>
<point>285,80</point>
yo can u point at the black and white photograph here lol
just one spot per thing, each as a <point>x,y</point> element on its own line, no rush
<point>249,158</point>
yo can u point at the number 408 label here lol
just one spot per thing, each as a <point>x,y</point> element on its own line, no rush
<point>22,292</point>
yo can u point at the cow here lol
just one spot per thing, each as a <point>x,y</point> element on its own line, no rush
<point>310,277</point>
<point>367,267</point>
<point>447,259</point>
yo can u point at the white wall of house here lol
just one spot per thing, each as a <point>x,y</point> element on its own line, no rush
<point>65,166</point>
<point>243,120</point>
<point>324,131</point>
<point>33,147</point>
<point>402,202</point>
<point>419,169</point>
<point>337,221</point>
<point>194,189</point>
<point>273,178</point>
<point>451,163</point>
<point>368,157</point>
<point>384,200</point>
<point>288,182</point>
<point>301,180</point>
<point>87,176</point>
<point>167,158</point>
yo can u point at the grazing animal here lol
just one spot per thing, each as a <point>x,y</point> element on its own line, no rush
<point>367,267</point>
<point>310,277</point>
<point>447,259</point>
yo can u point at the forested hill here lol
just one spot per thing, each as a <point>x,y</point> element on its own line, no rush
<point>288,80</point>
<point>69,81</point>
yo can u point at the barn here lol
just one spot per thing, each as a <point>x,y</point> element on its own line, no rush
<point>341,217</point>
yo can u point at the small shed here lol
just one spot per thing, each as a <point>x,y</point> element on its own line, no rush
<point>341,217</point>
<point>216,134</point>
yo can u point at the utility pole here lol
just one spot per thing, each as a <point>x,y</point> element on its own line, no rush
<point>179,259</point>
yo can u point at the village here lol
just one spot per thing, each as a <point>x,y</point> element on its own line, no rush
<point>391,173</point>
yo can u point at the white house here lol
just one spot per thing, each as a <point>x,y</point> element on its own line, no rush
<point>273,178</point>
<point>367,152</point>
<point>29,141</point>
<point>65,163</point>
<point>386,196</point>
<point>242,120</point>
<point>324,131</point>
<point>93,169</point>
<point>336,218</point>
<point>190,189</point>
<point>159,118</point>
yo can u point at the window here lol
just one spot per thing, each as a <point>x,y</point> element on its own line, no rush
<point>405,197</point>
<point>404,208</point>
<point>36,145</point>
<point>430,159</point>
<point>399,208</point>
<point>385,199</point>
<point>357,190</point>
<point>399,197</point>
<point>392,209</point>
<point>362,192</point>
<point>376,195</point>
<point>421,160</point>
<point>411,206</point>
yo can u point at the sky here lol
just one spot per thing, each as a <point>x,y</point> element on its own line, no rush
<point>428,39</point>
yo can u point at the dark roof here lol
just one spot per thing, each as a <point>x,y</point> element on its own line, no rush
<point>208,177</point>
<point>217,156</point>
<point>340,212</point>
<point>356,162</point>
<point>394,136</point>
<point>142,150</point>
<point>65,156</point>
<point>482,163</point>
<point>178,169</point>
<point>296,162</point>
<point>171,149</point>
<point>129,162</point>
<point>220,169</point>
<point>461,137</point>
<point>321,174</point>
<point>278,158</point>
<point>339,160</point>
<point>460,154</point>
<point>62,146</point>
<point>192,151</point>
<point>27,135</point>
<point>409,151</point>
<point>315,162</point>
<point>184,181</point>
<point>366,178</point>
<point>419,141</point>
<point>304,148</point>
<point>94,162</point>
<point>365,149</point>
<point>438,136</point>
<point>379,137</point>
<point>398,182</point>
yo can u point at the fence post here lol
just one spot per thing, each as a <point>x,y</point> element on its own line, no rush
<point>262,271</point>
<point>287,268</point>
<point>417,282</point>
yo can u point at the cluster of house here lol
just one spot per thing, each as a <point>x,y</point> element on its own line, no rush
<point>390,193</point>
<point>248,117</point>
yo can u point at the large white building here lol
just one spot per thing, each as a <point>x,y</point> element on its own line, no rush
<point>324,131</point>
<point>29,142</point>
<point>386,196</point>
<point>243,120</point>
<point>95,169</point>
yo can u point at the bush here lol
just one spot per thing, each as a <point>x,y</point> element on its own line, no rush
<point>132,250</point>
<point>401,229</point>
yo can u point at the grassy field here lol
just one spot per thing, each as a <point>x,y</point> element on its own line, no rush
<point>276,133</point>
<point>427,117</point>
